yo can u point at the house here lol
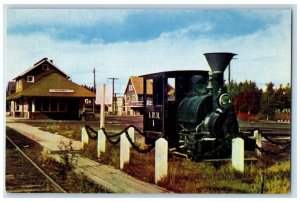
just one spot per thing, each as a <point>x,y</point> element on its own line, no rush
<point>134,92</point>
<point>45,91</point>
<point>133,96</point>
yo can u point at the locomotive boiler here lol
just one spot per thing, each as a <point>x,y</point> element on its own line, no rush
<point>191,109</point>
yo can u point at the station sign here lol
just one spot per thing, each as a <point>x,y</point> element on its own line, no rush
<point>61,90</point>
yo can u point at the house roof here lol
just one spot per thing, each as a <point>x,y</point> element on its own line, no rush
<point>54,85</point>
<point>137,83</point>
<point>37,64</point>
<point>11,85</point>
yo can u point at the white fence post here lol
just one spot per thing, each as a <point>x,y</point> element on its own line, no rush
<point>101,143</point>
<point>84,137</point>
<point>124,150</point>
<point>161,159</point>
<point>131,134</point>
<point>257,136</point>
<point>238,154</point>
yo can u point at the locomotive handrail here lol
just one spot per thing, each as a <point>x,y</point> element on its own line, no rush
<point>191,130</point>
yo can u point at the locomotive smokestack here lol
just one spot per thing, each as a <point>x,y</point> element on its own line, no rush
<point>218,63</point>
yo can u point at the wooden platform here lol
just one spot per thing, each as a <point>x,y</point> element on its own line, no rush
<point>111,179</point>
<point>107,177</point>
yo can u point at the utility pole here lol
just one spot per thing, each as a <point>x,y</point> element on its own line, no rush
<point>94,88</point>
<point>113,95</point>
<point>228,87</point>
<point>229,72</point>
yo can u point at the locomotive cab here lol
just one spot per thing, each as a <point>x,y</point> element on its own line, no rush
<point>163,93</point>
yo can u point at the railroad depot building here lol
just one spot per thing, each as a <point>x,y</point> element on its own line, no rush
<point>45,91</point>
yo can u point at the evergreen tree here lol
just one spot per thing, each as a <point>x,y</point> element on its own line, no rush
<point>267,102</point>
<point>246,97</point>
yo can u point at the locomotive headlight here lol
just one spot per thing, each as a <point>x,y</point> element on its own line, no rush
<point>224,99</point>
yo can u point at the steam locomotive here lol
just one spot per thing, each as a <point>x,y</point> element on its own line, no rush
<point>191,109</point>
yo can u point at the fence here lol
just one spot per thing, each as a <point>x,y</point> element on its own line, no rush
<point>126,140</point>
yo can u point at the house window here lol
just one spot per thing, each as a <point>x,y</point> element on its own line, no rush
<point>133,98</point>
<point>30,79</point>
<point>171,89</point>
<point>128,98</point>
<point>45,67</point>
<point>130,87</point>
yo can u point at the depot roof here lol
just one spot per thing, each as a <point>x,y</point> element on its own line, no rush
<point>54,85</point>
<point>44,60</point>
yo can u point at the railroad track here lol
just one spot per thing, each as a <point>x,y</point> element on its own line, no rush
<point>30,178</point>
<point>268,128</point>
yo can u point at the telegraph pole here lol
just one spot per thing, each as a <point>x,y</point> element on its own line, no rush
<point>228,87</point>
<point>94,89</point>
<point>113,95</point>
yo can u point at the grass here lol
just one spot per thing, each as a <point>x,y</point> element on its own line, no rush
<point>185,176</point>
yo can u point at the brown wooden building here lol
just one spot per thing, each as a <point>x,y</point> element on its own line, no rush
<point>134,92</point>
<point>133,96</point>
<point>45,91</point>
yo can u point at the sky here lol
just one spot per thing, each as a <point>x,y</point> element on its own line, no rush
<point>130,42</point>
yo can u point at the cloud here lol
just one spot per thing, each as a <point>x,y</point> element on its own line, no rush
<point>65,17</point>
<point>134,25</point>
<point>263,55</point>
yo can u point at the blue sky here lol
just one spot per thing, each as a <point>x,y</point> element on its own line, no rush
<point>124,42</point>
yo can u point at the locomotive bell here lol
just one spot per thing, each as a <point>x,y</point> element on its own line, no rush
<point>218,63</point>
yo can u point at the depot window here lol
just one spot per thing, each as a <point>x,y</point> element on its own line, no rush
<point>30,79</point>
<point>45,67</point>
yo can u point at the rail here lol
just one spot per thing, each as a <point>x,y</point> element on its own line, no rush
<point>56,185</point>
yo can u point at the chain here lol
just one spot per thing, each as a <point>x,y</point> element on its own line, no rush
<point>275,142</point>
<point>136,148</point>
<point>274,153</point>
<point>89,129</point>
<point>114,142</point>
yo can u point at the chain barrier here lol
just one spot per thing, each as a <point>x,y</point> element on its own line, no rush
<point>275,142</point>
<point>114,142</point>
<point>287,145</point>
<point>88,130</point>
<point>136,148</point>
<point>274,153</point>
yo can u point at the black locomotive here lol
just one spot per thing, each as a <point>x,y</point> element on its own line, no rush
<point>191,109</point>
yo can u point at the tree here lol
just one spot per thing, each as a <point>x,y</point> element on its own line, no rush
<point>246,97</point>
<point>267,102</point>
